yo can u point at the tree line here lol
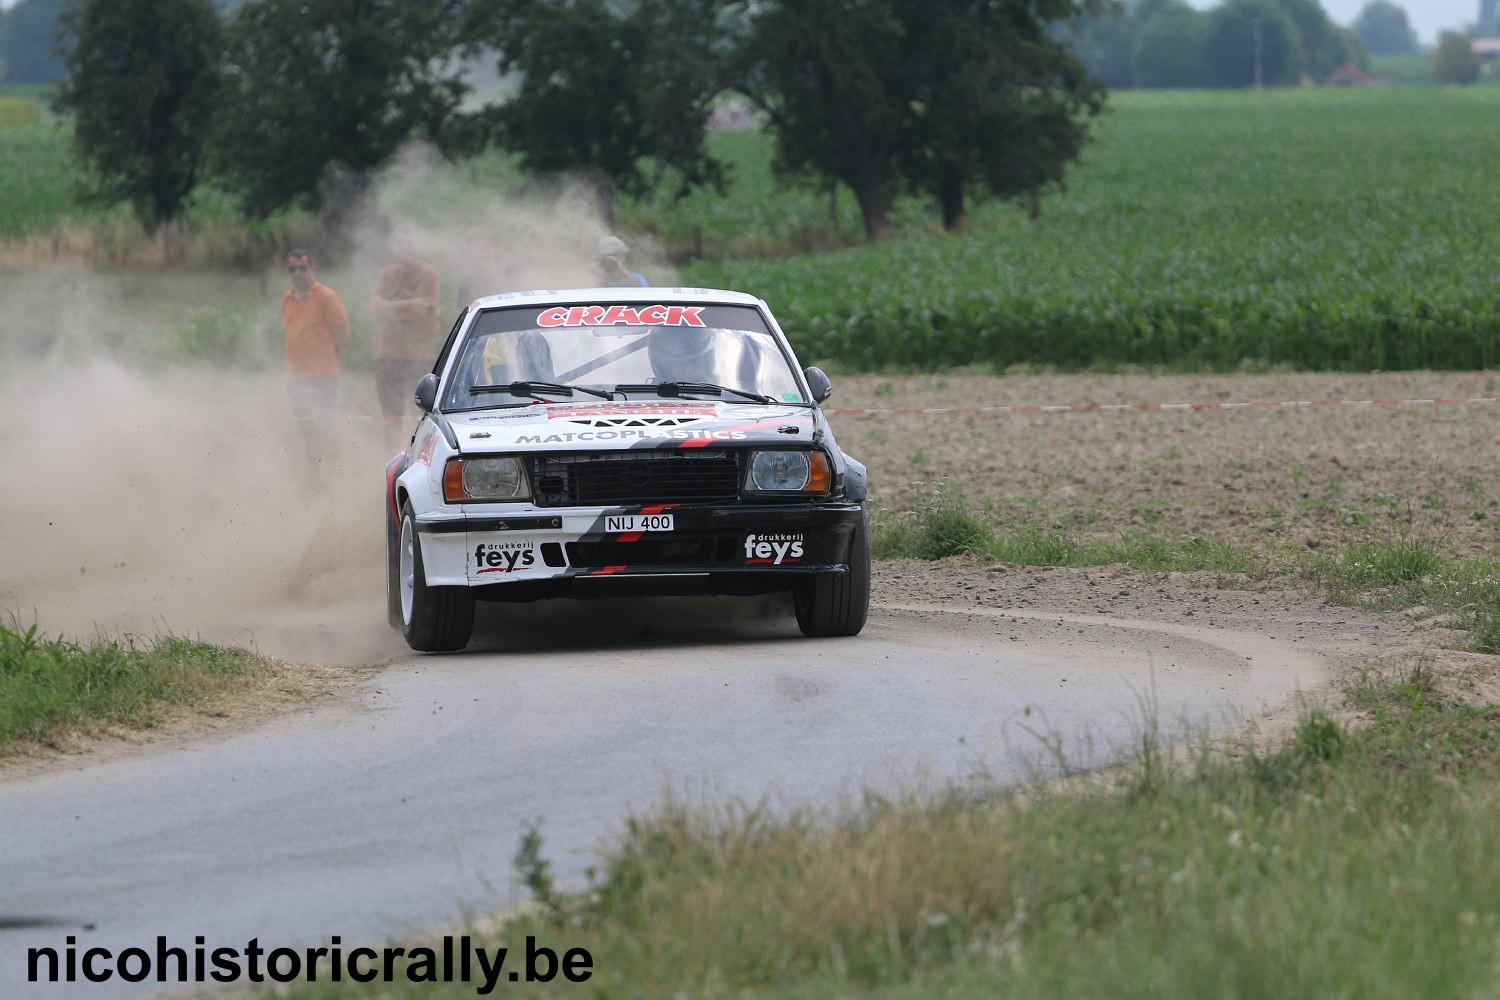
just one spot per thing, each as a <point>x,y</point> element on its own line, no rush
<point>296,103</point>
<point>1240,43</point>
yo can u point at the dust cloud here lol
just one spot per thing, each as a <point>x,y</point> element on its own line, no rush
<point>144,498</point>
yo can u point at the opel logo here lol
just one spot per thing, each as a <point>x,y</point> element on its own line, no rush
<point>637,475</point>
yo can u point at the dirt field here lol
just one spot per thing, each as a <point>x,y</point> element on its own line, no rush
<point>171,504</point>
<point>1294,478</point>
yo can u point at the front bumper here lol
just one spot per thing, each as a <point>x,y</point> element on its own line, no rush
<point>744,548</point>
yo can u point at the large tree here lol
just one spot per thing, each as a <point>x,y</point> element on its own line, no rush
<point>142,78</point>
<point>1383,28</point>
<point>1000,104</point>
<point>617,94</point>
<point>319,93</point>
<point>832,77</point>
<point>945,96</point>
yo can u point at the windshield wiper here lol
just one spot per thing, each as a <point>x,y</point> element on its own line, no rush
<point>678,388</point>
<point>534,389</point>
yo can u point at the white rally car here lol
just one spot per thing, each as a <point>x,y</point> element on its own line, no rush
<point>621,441</point>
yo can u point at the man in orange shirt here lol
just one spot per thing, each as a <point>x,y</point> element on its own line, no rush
<point>317,328</point>
<point>404,305</point>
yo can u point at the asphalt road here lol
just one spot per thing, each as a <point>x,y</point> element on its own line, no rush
<point>398,807</point>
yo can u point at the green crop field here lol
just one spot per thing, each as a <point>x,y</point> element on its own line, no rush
<point>1313,228</point>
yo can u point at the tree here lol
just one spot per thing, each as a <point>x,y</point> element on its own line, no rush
<point>617,94</point>
<point>1169,48</point>
<point>319,93</point>
<point>829,75</point>
<point>142,78</point>
<point>1000,104</point>
<point>28,43</point>
<point>1253,43</point>
<point>1383,28</point>
<point>1455,60</point>
<point>942,96</point>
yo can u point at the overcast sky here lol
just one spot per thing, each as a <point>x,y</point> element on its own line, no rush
<point>1427,17</point>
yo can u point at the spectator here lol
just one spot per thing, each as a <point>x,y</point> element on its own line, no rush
<point>611,254</point>
<point>405,307</point>
<point>317,329</point>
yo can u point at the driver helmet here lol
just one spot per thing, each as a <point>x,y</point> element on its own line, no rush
<point>680,354</point>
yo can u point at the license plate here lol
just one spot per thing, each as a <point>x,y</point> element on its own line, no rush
<point>637,522</point>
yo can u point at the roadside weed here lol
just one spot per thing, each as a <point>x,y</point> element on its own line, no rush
<point>51,685</point>
<point>945,526</point>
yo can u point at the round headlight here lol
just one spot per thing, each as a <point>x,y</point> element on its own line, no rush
<point>494,478</point>
<point>780,471</point>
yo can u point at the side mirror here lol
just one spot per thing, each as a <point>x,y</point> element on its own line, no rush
<point>818,383</point>
<point>426,394</point>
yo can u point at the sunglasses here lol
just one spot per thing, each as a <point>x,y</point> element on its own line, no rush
<point>295,268</point>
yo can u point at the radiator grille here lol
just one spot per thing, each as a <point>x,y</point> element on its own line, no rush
<point>655,551</point>
<point>635,477</point>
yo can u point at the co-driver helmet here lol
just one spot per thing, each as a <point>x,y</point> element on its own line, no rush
<point>680,354</point>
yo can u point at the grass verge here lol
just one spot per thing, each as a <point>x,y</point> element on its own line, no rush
<point>1395,571</point>
<point>49,686</point>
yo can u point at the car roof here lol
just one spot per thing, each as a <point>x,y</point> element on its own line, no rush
<point>584,296</point>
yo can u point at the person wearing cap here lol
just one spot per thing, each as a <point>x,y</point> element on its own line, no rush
<point>611,253</point>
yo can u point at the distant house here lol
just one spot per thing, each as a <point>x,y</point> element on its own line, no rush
<point>1348,75</point>
<point>1486,48</point>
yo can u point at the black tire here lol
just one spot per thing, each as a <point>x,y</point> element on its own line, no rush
<point>392,569</point>
<point>433,619</point>
<point>837,603</point>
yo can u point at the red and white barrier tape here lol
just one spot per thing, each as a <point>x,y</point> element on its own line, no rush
<point>1117,407</point>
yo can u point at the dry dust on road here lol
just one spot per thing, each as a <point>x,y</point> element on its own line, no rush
<point>176,503</point>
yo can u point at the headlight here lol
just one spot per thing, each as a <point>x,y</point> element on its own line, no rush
<point>484,479</point>
<point>788,472</point>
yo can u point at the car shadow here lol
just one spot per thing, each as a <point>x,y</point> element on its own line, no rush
<point>631,622</point>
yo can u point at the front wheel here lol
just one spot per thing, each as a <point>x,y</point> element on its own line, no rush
<point>837,603</point>
<point>433,619</point>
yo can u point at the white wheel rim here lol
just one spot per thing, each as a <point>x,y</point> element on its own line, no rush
<point>408,575</point>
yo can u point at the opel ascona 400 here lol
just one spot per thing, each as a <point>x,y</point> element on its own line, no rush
<point>612,442</point>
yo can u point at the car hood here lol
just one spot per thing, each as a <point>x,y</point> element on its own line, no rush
<point>599,426</point>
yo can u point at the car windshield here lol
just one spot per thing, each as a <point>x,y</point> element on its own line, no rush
<point>621,349</point>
